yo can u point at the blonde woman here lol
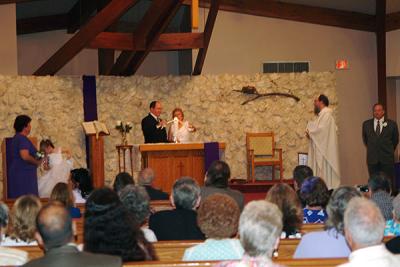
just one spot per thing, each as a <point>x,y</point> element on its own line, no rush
<point>22,226</point>
<point>180,130</point>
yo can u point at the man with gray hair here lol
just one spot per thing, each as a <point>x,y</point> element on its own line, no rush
<point>364,226</point>
<point>146,177</point>
<point>181,222</point>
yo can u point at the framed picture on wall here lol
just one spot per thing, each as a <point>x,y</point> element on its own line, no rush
<point>302,158</point>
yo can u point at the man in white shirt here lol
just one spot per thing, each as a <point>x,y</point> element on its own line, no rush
<point>364,226</point>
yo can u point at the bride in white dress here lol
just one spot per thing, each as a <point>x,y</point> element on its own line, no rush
<point>56,169</point>
<point>180,130</point>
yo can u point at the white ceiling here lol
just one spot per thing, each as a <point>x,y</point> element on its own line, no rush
<point>362,6</point>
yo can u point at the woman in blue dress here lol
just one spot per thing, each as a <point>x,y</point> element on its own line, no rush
<point>22,176</point>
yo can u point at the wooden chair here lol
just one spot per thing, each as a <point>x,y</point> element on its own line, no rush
<point>261,151</point>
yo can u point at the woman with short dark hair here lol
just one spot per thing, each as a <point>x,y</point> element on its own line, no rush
<point>22,175</point>
<point>315,194</point>
<point>217,181</point>
<point>110,229</point>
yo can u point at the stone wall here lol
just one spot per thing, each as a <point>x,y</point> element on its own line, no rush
<point>209,102</point>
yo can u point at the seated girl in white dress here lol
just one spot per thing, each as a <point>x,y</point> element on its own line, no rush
<point>56,169</point>
<point>180,130</point>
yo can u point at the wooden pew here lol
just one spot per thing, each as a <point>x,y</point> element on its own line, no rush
<point>290,263</point>
<point>311,227</point>
<point>44,201</point>
<point>174,250</point>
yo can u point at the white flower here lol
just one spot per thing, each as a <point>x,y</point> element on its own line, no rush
<point>384,124</point>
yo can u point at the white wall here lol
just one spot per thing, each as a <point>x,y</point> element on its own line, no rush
<point>8,44</point>
<point>240,43</point>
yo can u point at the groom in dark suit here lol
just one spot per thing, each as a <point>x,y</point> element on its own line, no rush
<point>154,128</point>
<point>381,137</point>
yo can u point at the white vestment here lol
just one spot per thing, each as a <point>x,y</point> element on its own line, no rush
<point>323,153</point>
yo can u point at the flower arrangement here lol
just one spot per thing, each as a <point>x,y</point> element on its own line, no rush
<point>124,128</point>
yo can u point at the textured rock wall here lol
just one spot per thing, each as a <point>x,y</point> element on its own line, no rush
<point>211,105</point>
<point>55,104</point>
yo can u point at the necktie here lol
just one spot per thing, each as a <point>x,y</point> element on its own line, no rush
<point>378,128</point>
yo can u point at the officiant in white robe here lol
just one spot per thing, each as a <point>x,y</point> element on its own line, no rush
<point>323,153</point>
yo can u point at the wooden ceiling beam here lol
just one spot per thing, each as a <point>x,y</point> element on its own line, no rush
<point>393,21</point>
<point>106,17</point>
<point>42,24</point>
<point>166,42</point>
<point>296,12</point>
<point>152,25</point>
<point>208,29</point>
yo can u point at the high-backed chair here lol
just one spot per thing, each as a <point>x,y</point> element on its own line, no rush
<point>261,151</point>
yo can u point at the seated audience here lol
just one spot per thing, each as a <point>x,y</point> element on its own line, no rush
<point>330,243</point>
<point>300,173</point>
<point>54,227</point>
<point>288,202</point>
<point>181,222</point>
<point>81,184</point>
<point>218,218</point>
<point>260,227</point>
<point>393,226</point>
<point>315,195</point>
<point>137,202</point>
<point>379,192</point>
<point>22,226</point>
<point>121,180</point>
<point>110,229</point>
<point>363,227</point>
<point>146,177</point>
<point>217,178</point>
<point>9,256</point>
<point>62,193</point>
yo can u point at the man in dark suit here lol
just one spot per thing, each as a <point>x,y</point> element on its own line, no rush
<point>54,227</point>
<point>146,177</point>
<point>381,137</point>
<point>181,222</point>
<point>154,128</point>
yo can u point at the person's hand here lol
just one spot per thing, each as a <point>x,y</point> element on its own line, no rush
<point>163,123</point>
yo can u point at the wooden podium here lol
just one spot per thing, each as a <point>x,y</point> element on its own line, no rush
<point>172,161</point>
<point>96,159</point>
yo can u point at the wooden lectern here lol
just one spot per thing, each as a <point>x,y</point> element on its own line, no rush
<point>95,132</point>
<point>172,161</point>
<point>96,159</point>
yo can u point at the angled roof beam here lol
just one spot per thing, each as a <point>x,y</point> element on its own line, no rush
<point>149,29</point>
<point>296,12</point>
<point>97,24</point>
<point>208,29</point>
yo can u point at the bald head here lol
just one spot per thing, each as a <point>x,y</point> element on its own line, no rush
<point>54,225</point>
<point>146,176</point>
